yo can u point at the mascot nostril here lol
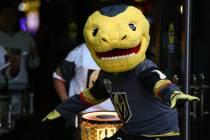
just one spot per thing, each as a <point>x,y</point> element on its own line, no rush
<point>124,37</point>
<point>104,40</point>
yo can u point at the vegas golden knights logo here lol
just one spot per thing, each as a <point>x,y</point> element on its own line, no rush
<point>121,104</point>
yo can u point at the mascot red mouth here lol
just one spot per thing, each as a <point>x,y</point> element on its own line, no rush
<point>118,53</point>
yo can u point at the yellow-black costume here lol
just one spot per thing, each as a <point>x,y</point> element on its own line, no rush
<point>117,37</point>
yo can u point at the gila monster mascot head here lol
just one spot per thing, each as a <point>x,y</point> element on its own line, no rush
<point>117,37</point>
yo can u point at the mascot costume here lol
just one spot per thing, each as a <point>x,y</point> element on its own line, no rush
<point>117,37</point>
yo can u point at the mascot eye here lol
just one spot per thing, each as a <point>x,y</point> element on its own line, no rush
<point>132,26</point>
<point>95,31</point>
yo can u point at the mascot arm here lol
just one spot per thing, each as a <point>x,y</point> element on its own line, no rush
<point>164,89</point>
<point>79,102</point>
<point>67,109</point>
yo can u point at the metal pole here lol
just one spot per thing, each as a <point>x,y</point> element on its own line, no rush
<point>187,66</point>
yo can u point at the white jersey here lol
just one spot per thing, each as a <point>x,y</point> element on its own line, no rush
<point>86,72</point>
<point>22,42</point>
<point>3,62</point>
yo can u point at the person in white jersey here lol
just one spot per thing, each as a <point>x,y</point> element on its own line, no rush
<point>17,42</point>
<point>77,72</point>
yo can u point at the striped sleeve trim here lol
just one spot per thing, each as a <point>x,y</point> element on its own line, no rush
<point>83,99</point>
<point>161,84</point>
<point>88,99</point>
<point>164,89</point>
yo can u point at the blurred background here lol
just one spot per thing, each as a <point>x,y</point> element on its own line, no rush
<point>56,27</point>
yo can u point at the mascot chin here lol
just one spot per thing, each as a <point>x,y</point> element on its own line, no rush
<point>117,37</point>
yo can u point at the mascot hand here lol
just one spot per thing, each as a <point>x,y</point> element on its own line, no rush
<point>181,96</point>
<point>52,115</point>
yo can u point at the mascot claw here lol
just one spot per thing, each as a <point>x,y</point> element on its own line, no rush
<point>52,115</point>
<point>181,96</point>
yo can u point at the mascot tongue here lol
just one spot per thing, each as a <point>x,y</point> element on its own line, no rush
<point>118,52</point>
